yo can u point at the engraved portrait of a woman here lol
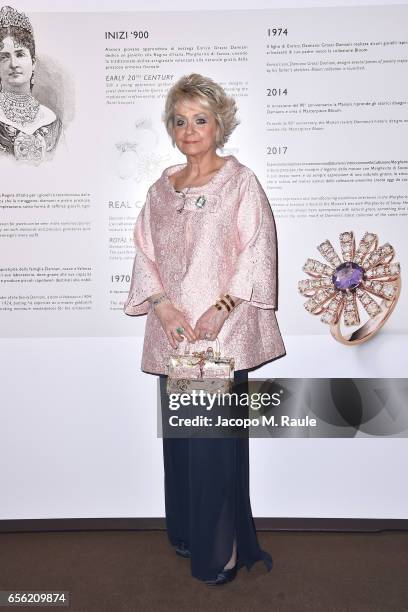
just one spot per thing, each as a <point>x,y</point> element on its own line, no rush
<point>29,130</point>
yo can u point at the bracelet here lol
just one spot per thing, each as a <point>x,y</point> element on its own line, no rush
<point>229,298</point>
<point>158,300</point>
<point>225,302</point>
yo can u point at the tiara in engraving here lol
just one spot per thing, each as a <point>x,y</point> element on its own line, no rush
<point>9,16</point>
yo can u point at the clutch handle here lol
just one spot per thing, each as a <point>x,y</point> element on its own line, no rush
<point>202,354</point>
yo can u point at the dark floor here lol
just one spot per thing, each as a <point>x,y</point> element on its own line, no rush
<point>117,571</point>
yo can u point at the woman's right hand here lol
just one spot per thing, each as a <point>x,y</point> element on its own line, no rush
<point>171,318</point>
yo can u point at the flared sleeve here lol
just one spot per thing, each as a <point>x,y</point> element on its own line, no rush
<point>255,275</point>
<point>145,279</point>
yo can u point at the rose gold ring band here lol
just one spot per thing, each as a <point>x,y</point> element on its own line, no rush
<point>371,327</point>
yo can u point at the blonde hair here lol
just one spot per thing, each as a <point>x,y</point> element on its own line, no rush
<point>208,93</point>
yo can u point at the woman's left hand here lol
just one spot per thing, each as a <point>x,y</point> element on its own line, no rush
<point>208,326</point>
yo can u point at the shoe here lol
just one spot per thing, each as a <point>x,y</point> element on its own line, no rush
<point>182,551</point>
<point>227,575</point>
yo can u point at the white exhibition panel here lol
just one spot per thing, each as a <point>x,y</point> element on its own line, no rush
<point>77,416</point>
<point>79,439</point>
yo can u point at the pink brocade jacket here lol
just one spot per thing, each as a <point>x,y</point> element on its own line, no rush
<point>220,238</point>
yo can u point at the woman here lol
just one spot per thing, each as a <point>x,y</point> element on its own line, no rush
<point>205,268</point>
<point>28,130</point>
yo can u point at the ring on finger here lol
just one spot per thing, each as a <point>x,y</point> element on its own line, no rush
<point>180,330</point>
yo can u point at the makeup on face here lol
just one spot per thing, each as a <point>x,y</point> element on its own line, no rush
<point>194,125</point>
<point>180,121</point>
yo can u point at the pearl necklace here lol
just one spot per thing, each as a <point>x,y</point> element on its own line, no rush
<point>19,108</point>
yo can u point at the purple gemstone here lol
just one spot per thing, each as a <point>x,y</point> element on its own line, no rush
<point>347,276</point>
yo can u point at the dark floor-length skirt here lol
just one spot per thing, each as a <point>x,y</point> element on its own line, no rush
<point>207,498</point>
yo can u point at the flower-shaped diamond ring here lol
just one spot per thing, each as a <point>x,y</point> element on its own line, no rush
<point>343,290</point>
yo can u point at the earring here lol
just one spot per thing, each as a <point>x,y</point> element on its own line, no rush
<point>32,80</point>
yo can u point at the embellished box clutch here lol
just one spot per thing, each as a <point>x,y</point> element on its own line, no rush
<point>200,370</point>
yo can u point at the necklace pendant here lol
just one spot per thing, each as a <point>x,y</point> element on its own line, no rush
<point>200,201</point>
